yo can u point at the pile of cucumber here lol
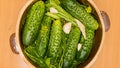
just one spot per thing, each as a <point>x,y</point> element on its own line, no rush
<point>45,43</point>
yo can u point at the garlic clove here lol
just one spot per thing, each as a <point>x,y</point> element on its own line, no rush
<point>79,46</point>
<point>67,27</point>
<point>53,10</point>
<point>82,27</point>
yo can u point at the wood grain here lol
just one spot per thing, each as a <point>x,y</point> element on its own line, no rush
<point>109,57</point>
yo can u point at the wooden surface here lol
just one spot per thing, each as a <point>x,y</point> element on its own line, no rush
<point>109,57</point>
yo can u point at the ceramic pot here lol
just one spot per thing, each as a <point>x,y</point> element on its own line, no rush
<point>104,22</point>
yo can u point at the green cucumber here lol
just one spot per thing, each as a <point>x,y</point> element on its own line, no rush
<point>77,11</point>
<point>32,23</point>
<point>43,37</point>
<point>54,48</point>
<point>86,48</point>
<point>71,47</point>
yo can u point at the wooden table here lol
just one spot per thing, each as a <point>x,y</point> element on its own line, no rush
<point>109,57</point>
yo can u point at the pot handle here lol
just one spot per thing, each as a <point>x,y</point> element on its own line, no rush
<point>106,20</point>
<point>13,44</point>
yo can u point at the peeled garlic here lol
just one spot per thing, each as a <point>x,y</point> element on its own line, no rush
<point>67,27</point>
<point>82,27</point>
<point>79,46</point>
<point>53,10</point>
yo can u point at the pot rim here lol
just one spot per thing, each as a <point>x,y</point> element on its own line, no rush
<point>18,33</point>
<point>103,34</point>
<point>28,3</point>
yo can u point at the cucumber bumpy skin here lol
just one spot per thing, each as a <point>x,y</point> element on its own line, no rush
<point>32,23</point>
<point>77,11</point>
<point>71,47</point>
<point>37,51</point>
<point>43,37</point>
<point>54,48</point>
<point>87,44</point>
